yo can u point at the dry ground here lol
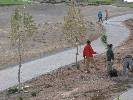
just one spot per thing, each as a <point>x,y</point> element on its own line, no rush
<point>68,83</point>
<point>51,40</point>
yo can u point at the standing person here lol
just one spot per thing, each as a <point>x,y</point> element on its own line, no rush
<point>88,55</point>
<point>106,14</point>
<point>100,16</point>
<point>110,57</point>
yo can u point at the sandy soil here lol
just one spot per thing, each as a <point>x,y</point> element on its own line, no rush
<point>70,83</point>
<point>46,42</point>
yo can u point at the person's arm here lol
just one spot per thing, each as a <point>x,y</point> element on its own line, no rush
<point>92,51</point>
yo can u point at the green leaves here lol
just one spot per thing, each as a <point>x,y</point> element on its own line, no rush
<point>14,2</point>
<point>29,25</point>
<point>74,26</point>
<point>22,26</point>
<point>104,39</point>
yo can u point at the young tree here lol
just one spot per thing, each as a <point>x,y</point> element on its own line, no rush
<point>74,27</point>
<point>104,39</point>
<point>22,28</point>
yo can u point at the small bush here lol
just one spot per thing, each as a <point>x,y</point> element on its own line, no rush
<point>104,39</point>
<point>33,94</point>
<point>13,90</point>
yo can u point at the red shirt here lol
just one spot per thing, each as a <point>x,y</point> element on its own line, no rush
<point>88,51</point>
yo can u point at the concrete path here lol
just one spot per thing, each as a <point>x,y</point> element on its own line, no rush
<point>126,96</point>
<point>116,33</point>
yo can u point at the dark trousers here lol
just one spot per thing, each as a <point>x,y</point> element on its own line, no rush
<point>106,18</point>
<point>100,19</point>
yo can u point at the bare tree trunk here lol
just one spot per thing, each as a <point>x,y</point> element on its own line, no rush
<point>77,57</point>
<point>77,54</point>
<point>20,64</point>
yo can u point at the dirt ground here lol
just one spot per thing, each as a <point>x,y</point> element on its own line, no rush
<point>50,40</point>
<point>70,83</point>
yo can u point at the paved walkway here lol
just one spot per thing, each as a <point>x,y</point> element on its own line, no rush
<point>116,33</point>
<point>126,96</point>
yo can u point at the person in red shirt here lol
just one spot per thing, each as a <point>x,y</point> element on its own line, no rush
<point>88,55</point>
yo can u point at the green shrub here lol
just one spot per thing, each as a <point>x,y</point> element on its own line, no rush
<point>34,94</point>
<point>12,90</point>
<point>104,39</point>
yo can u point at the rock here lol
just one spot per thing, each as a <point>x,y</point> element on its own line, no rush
<point>48,85</point>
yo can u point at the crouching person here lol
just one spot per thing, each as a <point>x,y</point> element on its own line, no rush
<point>127,64</point>
<point>110,58</point>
